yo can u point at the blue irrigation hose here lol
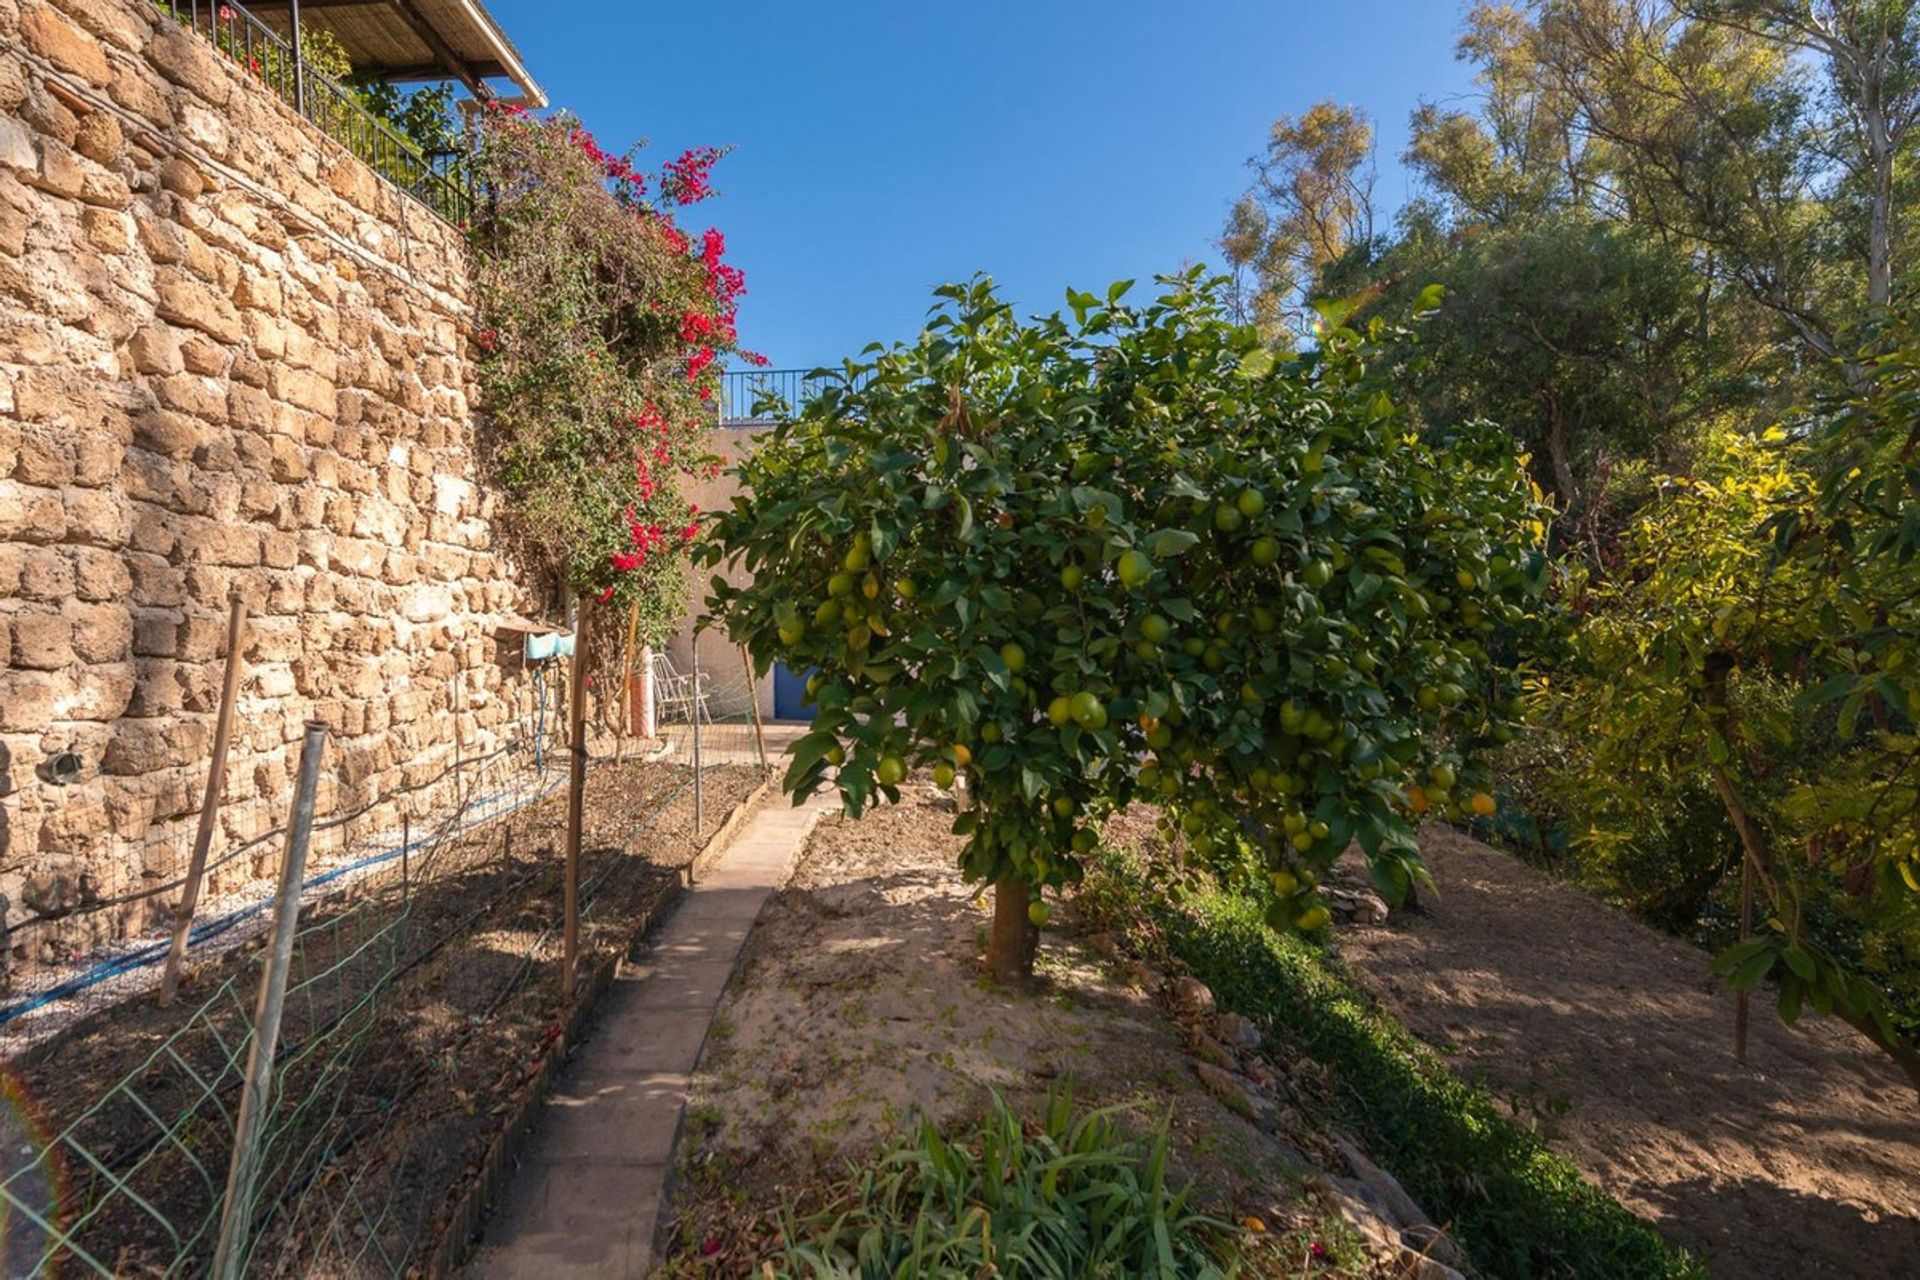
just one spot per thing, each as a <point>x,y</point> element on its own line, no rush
<point>153,952</point>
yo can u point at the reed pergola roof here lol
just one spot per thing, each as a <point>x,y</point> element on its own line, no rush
<point>413,40</point>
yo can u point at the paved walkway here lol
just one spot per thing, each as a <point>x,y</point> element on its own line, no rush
<point>587,1195</point>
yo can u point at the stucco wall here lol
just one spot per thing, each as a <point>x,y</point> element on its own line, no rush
<point>719,655</point>
<point>231,359</point>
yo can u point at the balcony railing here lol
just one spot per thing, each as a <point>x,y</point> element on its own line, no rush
<point>437,181</point>
<point>761,397</point>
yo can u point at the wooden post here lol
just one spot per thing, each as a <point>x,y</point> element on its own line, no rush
<point>699,799</point>
<point>256,1094</point>
<point>753,701</point>
<point>626,677</point>
<point>1741,1001</point>
<point>210,805</point>
<point>576,797</point>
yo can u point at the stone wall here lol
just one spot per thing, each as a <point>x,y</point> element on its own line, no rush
<point>232,358</point>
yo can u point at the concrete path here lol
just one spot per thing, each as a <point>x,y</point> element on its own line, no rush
<point>588,1194</point>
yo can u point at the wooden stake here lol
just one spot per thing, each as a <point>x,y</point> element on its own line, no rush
<point>626,677</point>
<point>210,805</point>
<point>576,797</point>
<point>256,1094</point>
<point>753,701</point>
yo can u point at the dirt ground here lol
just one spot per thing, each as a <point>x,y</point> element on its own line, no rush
<point>1610,1037</point>
<point>411,1085</point>
<point>859,1006</point>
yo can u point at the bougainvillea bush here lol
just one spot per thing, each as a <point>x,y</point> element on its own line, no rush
<point>1130,555</point>
<point>601,325</point>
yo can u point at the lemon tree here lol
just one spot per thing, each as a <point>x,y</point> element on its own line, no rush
<point>1128,554</point>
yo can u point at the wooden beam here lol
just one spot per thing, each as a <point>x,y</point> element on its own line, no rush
<point>468,75</point>
<point>415,71</point>
<point>311,6</point>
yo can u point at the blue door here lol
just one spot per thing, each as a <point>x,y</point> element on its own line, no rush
<point>790,693</point>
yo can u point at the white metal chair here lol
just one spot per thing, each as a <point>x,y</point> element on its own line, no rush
<point>679,696</point>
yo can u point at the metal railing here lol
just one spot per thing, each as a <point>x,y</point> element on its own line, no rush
<point>437,181</point>
<point>761,397</point>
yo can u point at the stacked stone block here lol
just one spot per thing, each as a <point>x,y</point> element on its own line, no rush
<point>232,358</point>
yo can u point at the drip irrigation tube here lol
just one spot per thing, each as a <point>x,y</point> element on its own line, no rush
<point>485,809</point>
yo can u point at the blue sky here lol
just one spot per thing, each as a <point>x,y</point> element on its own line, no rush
<point>883,148</point>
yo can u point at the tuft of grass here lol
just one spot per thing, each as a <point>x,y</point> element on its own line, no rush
<point>1521,1211</point>
<point>1073,1195</point>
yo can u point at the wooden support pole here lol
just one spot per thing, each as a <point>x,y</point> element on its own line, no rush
<point>210,805</point>
<point>699,771</point>
<point>256,1094</point>
<point>627,707</point>
<point>753,701</point>
<point>576,798</point>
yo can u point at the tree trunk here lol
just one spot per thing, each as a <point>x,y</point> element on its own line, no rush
<point>1560,456</point>
<point>1753,841</point>
<point>1014,939</point>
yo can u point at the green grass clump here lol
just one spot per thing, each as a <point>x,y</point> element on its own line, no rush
<point>1074,1196</point>
<point>1518,1209</point>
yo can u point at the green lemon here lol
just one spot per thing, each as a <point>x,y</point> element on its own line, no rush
<point>1265,551</point>
<point>1039,913</point>
<point>1317,574</point>
<point>1060,710</point>
<point>1063,806</point>
<point>1313,919</point>
<point>836,755</point>
<point>1251,502</point>
<point>1227,519</point>
<point>840,584</point>
<point>1071,576</point>
<point>1014,656</point>
<point>943,775</point>
<point>892,769</point>
<point>792,634</point>
<point>1134,568</point>
<point>1086,710</point>
<point>1156,628</point>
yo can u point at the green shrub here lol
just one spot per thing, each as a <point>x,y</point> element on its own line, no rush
<point>1076,1196</point>
<point>1517,1208</point>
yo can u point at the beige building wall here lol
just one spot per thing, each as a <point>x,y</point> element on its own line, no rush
<point>719,655</point>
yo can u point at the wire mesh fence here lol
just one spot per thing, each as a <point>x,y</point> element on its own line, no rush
<point>422,992</point>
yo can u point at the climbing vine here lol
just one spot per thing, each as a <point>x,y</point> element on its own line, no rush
<point>601,325</point>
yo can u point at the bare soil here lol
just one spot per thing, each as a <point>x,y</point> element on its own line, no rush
<point>418,1013</point>
<point>860,1007</point>
<point>1613,1040</point>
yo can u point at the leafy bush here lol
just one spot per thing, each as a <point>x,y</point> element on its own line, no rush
<point>601,325</point>
<point>1518,1209</point>
<point>1076,1196</point>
